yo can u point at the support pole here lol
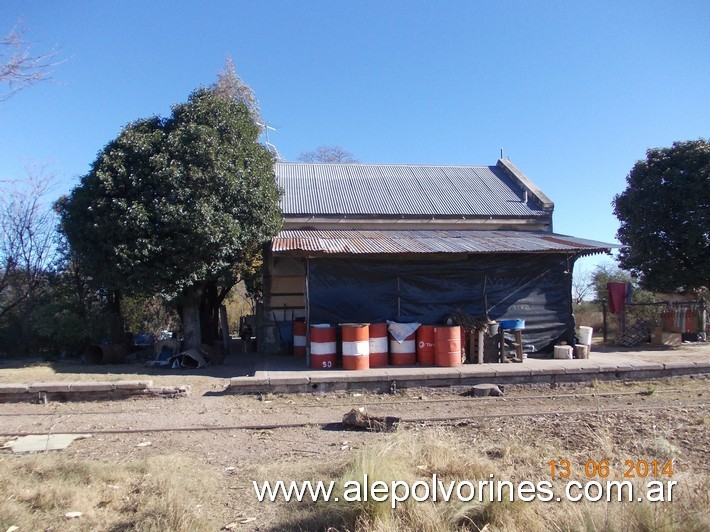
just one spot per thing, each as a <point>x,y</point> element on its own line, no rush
<point>308,316</point>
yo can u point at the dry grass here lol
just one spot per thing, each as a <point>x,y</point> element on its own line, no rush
<point>154,494</point>
<point>417,456</point>
<point>174,493</point>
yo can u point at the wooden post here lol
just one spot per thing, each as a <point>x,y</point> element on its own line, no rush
<point>481,340</point>
<point>604,316</point>
<point>501,345</point>
<point>308,315</point>
<point>518,345</point>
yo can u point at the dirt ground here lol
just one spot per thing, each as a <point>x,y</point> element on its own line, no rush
<point>224,442</point>
<point>219,433</point>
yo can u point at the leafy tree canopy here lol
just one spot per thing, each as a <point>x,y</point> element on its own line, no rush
<point>174,203</point>
<point>665,218</point>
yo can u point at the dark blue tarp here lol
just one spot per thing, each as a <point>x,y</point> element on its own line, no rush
<point>533,287</point>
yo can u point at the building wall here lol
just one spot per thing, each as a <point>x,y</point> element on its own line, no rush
<point>284,300</point>
<point>535,287</point>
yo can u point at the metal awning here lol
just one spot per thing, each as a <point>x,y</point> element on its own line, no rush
<point>366,242</point>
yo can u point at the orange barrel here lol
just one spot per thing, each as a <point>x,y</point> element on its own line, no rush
<point>447,346</point>
<point>356,345</point>
<point>299,337</point>
<point>323,347</point>
<point>425,345</point>
<point>378,345</point>
<point>405,353</point>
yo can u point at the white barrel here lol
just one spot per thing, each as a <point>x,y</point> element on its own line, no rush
<point>299,338</point>
<point>323,347</point>
<point>585,335</point>
<point>563,352</point>
<point>378,344</point>
<point>403,353</point>
<point>356,345</point>
<point>379,351</point>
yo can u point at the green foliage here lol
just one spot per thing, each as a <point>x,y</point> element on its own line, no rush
<point>172,203</point>
<point>65,317</point>
<point>605,273</point>
<point>665,218</point>
<point>148,314</point>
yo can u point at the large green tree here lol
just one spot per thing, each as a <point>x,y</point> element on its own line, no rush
<point>665,218</point>
<point>176,205</point>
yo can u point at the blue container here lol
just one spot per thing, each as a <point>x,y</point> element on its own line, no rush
<point>512,324</point>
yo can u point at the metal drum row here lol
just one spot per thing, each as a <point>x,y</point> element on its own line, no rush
<point>371,345</point>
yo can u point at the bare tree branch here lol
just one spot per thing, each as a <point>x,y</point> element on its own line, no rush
<point>327,154</point>
<point>231,87</point>
<point>19,67</point>
<point>27,248</point>
<point>582,285</point>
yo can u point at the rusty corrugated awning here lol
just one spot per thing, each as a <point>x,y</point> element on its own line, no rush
<point>327,242</point>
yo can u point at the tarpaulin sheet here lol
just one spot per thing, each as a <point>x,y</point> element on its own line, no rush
<point>534,287</point>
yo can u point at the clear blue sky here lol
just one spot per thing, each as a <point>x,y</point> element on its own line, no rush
<point>575,92</point>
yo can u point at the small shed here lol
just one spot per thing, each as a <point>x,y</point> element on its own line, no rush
<point>369,243</point>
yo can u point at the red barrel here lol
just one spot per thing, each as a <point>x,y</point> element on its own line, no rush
<point>356,345</point>
<point>323,347</point>
<point>425,345</point>
<point>447,346</point>
<point>405,353</point>
<point>378,345</point>
<point>299,337</point>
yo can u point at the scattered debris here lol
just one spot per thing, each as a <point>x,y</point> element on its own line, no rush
<point>13,528</point>
<point>234,525</point>
<point>485,390</point>
<point>73,515</point>
<point>42,442</point>
<point>168,391</point>
<point>189,359</point>
<point>358,419</point>
<point>229,469</point>
<point>145,444</point>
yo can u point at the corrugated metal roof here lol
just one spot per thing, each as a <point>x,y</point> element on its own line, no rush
<point>431,241</point>
<point>409,190</point>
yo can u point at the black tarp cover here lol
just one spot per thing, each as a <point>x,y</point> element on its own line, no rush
<point>533,287</point>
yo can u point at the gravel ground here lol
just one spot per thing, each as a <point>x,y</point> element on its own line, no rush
<point>220,433</point>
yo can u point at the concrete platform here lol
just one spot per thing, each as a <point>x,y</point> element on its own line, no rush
<point>283,374</point>
<point>86,391</point>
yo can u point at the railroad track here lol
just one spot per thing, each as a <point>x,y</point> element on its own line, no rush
<point>357,400</point>
<point>700,405</point>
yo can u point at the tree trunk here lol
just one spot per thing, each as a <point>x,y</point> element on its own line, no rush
<point>191,316</point>
<point>213,296</point>
<point>209,308</point>
<point>118,328</point>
